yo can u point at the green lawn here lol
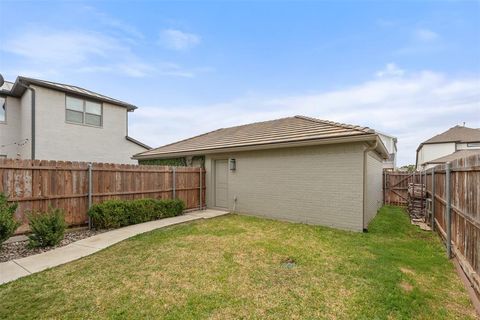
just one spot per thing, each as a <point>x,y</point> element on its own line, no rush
<point>234,267</point>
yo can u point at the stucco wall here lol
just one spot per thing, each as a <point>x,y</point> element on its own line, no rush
<point>10,130</point>
<point>433,151</point>
<point>58,140</point>
<point>373,187</point>
<point>317,185</point>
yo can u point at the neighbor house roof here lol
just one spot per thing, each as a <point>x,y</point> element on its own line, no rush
<point>16,89</point>
<point>456,134</point>
<point>274,133</point>
<point>453,156</point>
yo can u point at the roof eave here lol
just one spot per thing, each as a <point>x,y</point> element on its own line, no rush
<point>141,144</point>
<point>277,145</point>
<point>382,149</point>
<point>6,93</point>
<point>18,90</point>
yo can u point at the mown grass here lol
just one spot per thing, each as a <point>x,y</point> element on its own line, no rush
<point>233,267</point>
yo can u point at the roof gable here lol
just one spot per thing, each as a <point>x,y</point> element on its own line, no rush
<point>456,134</point>
<point>291,129</point>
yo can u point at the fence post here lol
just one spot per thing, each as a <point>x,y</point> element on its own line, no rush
<point>425,202</point>
<point>448,210</point>
<point>174,182</point>
<point>384,184</point>
<point>433,199</point>
<point>90,184</point>
<point>201,187</point>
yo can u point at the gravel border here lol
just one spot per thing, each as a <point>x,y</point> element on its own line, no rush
<point>20,249</point>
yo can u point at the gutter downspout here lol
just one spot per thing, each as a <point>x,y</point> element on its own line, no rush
<point>365,152</point>
<point>33,122</point>
<point>32,90</point>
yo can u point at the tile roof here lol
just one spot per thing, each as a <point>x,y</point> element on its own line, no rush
<point>17,90</point>
<point>456,134</point>
<point>292,129</point>
<point>456,155</point>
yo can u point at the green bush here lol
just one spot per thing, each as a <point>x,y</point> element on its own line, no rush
<point>47,228</point>
<point>8,224</point>
<point>120,213</point>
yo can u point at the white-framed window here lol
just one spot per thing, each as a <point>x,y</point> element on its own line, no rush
<point>83,111</point>
<point>3,109</point>
<point>473,144</point>
<point>3,156</point>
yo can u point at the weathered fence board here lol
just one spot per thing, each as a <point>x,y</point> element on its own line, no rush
<point>396,186</point>
<point>38,184</point>
<point>465,211</point>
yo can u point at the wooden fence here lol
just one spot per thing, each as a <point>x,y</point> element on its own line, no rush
<point>395,186</point>
<point>455,209</point>
<point>38,184</point>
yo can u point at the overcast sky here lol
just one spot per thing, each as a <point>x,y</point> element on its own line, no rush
<point>409,69</point>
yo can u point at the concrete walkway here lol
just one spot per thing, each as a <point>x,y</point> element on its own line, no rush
<point>17,268</point>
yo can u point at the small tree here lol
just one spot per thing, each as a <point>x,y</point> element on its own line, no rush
<point>47,228</point>
<point>8,224</point>
<point>408,168</point>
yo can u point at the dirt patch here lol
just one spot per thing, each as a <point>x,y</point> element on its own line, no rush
<point>20,249</point>
<point>407,271</point>
<point>407,287</point>
<point>289,263</point>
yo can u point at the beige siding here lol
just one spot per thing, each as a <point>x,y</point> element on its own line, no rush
<point>373,186</point>
<point>465,146</point>
<point>316,185</point>
<point>430,152</point>
<point>10,130</point>
<point>58,140</point>
<point>26,124</point>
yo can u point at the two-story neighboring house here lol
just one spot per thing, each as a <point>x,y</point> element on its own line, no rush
<point>52,121</point>
<point>390,143</point>
<point>456,142</point>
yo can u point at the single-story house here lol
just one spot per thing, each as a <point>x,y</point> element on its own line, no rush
<point>297,169</point>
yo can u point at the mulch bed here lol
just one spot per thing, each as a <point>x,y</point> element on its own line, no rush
<point>20,249</point>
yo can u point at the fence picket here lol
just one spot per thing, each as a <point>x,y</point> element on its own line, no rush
<point>38,184</point>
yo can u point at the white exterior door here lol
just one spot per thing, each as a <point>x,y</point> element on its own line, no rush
<point>221,183</point>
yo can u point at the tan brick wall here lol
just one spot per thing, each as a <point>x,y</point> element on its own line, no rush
<point>316,185</point>
<point>374,193</point>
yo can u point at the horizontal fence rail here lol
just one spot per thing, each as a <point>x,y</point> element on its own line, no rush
<point>454,191</point>
<point>37,185</point>
<point>395,186</point>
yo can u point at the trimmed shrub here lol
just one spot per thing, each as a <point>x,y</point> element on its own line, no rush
<point>120,213</point>
<point>47,228</point>
<point>8,224</point>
